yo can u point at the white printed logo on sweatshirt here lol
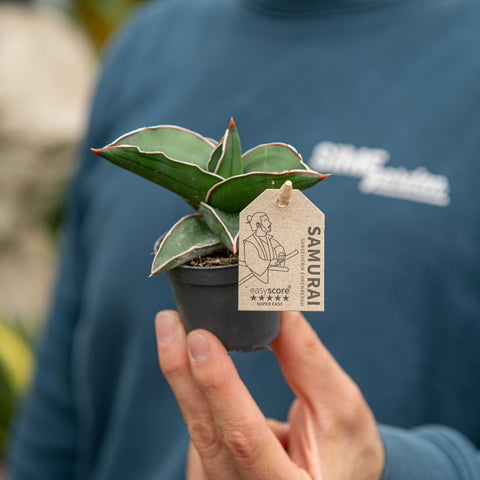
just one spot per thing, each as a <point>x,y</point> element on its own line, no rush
<point>368,164</point>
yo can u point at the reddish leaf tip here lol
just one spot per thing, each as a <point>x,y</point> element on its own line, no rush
<point>96,150</point>
<point>231,124</point>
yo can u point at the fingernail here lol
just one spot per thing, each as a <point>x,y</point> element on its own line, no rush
<point>198,347</point>
<point>167,328</point>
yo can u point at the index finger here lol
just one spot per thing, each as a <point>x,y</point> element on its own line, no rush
<point>175,364</point>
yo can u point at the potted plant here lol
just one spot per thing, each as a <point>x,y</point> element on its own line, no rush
<point>218,181</point>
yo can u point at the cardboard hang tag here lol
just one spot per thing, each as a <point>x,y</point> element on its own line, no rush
<point>281,253</point>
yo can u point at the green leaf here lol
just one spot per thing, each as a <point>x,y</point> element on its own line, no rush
<point>185,179</point>
<point>187,239</point>
<point>234,194</point>
<point>215,157</point>
<point>226,158</point>
<point>272,157</point>
<point>223,224</point>
<point>230,162</point>
<point>174,142</point>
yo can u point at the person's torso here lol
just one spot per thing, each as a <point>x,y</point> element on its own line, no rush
<point>385,99</point>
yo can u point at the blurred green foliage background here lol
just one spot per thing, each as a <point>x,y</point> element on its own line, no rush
<point>102,17</point>
<point>59,41</point>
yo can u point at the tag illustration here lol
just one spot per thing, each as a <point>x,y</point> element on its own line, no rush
<point>281,253</point>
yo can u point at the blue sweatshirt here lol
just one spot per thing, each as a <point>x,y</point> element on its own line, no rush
<point>385,95</point>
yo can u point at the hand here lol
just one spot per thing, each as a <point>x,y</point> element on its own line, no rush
<point>330,434</point>
<point>279,261</point>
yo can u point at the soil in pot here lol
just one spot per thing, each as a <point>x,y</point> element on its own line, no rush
<point>207,297</point>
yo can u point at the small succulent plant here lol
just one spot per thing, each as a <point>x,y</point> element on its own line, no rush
<point>213,177</point>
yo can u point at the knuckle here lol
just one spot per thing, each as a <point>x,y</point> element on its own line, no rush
<point>327,423</point>
<point>312,348</point>
<point>173,367</point>
<point>204,436</point>
<point>354,406</point>
<point>241,446</point>
<point>212,385</point>
<point>347,417</point>
<point>312,345</point>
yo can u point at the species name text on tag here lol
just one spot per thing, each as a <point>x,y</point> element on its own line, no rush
<point>281,253</point>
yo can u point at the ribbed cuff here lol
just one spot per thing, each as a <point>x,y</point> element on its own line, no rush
<point>428,453</point>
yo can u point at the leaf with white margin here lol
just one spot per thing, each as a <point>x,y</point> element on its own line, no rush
<point>174,142</point>
<point>185,179</point>
<point>272,157</point>
<point>230,162</point>
<point>223,224</point>
<point>187,239</point>
<point>215,156</point>
<point>235,193</point>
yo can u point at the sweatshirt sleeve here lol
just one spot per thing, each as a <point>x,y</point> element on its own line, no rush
<point>428,453</point>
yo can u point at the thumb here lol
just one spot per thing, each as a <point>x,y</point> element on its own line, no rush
<point>309,368</point>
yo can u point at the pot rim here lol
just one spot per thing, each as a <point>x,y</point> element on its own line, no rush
<point>207,276</point>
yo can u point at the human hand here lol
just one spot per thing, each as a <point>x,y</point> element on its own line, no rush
<point>279,261</point>
<point>330,434</point>
<point>281,258</point>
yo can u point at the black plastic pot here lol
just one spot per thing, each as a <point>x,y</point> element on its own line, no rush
<point>207,297</point>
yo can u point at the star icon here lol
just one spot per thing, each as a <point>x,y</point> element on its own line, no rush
<point>253,297</point>
<point>285,297</point>
<point>261,297</point>
<point>277,298</point>
<point>269,297</point>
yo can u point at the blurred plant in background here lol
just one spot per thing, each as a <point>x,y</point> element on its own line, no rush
<point>16,364</point>
<point>48,63</point>
<point>47,66</point>
<point>102,17</point>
